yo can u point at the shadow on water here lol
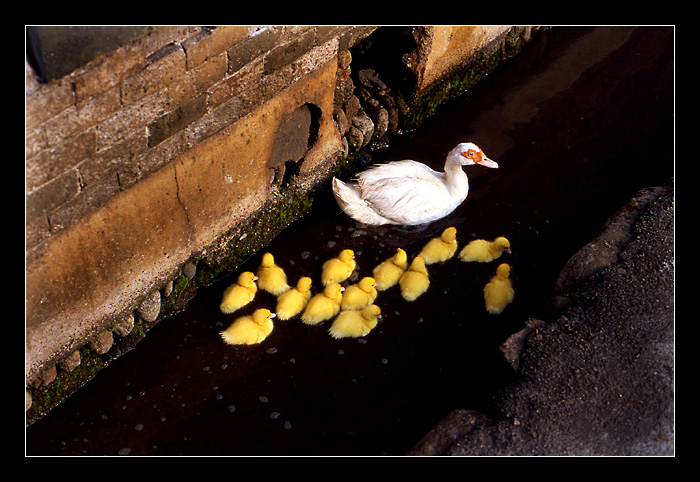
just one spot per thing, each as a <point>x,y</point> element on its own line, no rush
<point>579,121</point>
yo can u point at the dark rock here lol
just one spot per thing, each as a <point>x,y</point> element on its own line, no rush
<point>352,106</point>
<point>388,102</point>
<point>401,104</point>
<point>189,269</point>
<point>149,309</point>
<point>451,429</point>
<point>369,79</point>
<point>365,125</point>
<point>341,120</point>
<point>513,346</point>
<point>71,362</point>
<point>124,325</point>
<point>604,250</point>
<point>354,137</point>
<point>45,377</point>
<point>101,343</point>
<point>599,380</point>
<point>380,119</point>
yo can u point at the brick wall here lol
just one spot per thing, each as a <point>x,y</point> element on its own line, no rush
<point>149,155</point>
<point>98,130</point>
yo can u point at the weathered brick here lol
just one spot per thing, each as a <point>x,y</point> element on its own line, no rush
<point>52,194</point>
<point>156,157</point>
<point>78,118</point>
<point>181,90</point>
<point>105,166</point>
<point>314,58</point>
<point>87,201</point>
<point>160,37</point>
<point>34,142</point>
<point>252,47</point>
<point>224,38</point>
<point>197,48</point>
<point>36,231</point>
<point>176,120</point>
<point>264,90</point>
<point>210,72</point>
<point>212,122</point>
<point>231,86</point>
<point>163,67</point>
<point>109,71</point>
<point>289,52</point>
<point>130,119</point>
<point>52,162</point>
<point>101,177</point>
<point>326,32</point>
<point>48,101</point>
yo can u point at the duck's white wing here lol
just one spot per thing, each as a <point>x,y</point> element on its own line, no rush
<point>406,192</point>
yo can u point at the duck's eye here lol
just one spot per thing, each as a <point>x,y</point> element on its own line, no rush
<point>470,153</point>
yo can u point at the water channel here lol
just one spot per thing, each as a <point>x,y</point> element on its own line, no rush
<point>579,121</point>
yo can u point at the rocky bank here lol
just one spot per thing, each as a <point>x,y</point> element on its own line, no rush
<point>598,378</point>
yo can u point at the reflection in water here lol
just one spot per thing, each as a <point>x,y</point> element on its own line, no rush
<point>567,120</point>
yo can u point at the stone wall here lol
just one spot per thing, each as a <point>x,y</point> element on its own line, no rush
<point>146,156</point>
<point>162,153</point>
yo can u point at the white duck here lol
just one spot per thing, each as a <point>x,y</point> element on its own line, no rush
<point>408,192</point>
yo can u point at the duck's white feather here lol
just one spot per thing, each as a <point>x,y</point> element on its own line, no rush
<point>408,192</point>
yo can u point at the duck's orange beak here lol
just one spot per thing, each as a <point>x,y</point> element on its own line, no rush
<point>482,160</point>
<point>478,157</point>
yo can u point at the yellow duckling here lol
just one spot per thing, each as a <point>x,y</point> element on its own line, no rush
<point>414,282</point>
<point>359,295</point>
<point>499,291</point>
<point>249,330</point>
<point>323,306</point>
<point>293,301</point>
<point>483,251</point>
<point>387,273</point>
<point>337,270</point>
<point>271,278</point>
<point>440,249</point>
<point>355,323</point>
<point>239,293</point>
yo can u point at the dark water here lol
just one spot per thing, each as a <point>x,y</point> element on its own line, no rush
<point>579,121</point>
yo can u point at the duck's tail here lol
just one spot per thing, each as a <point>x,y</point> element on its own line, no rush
<point>350,201</point>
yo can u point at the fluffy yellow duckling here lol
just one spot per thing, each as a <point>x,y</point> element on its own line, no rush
<point>271,278</point>
<point>249,330</point>
<point>483,251</point>
<point>359,295</point>
<point>293,301</point>
<point>414,282</point>
<point>387,273</point>
<point>440,249</point>
<point>239,293</point>
<point>337,270</point>
<point>355,323</point>
<point>323,306</point>
<point>499,291</point>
